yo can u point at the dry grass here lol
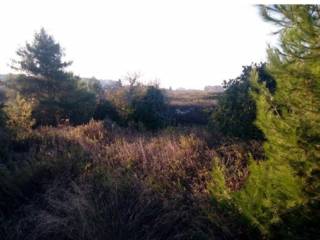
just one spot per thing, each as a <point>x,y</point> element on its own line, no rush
<point>178,157</point>
<point>191,98</point>
<point>97,181</point>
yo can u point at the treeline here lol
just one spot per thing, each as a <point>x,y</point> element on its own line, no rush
<point>46,94</point>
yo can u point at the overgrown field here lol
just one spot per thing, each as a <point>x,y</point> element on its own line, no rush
<point>191,106</point>
<point>97,181</point>
<point>79,160</point>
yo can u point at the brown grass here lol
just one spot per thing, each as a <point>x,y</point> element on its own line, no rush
<point>97,181</point>
<point>191,98</point>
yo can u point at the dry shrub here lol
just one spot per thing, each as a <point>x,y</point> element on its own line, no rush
<point>234,157</point>
<point>108,207</point>
<point>91,136</point>
<point>98,182</point>
<point>169,160</point>
<point>168,163</point>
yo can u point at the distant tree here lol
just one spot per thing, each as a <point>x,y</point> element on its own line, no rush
<point>46,80</point>
<point>42,58</point>
<point>132,79</point>
<point>236,110</point>
<point>94,85</point>
<point>123,97</point>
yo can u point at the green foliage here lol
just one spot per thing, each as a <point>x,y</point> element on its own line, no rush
<point>282,193</point>
<point>94,85</point>
<point>236,110</point>
<point>218,187</point>
<point>270,189</point>
<point>79,105</point>
<point>122,99</point>
<point>19,117</point>
<point>105,109</point>
<point>138,105</point>
<point>42,58</point>
<point>57,93</point>
<point>150,109</point>
<point>291,118</point>
<point>236,205</point>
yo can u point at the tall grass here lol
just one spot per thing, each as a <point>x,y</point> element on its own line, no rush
<point>97,181</point>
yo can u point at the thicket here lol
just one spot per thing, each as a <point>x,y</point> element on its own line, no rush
<point>150,109</point>
<point>236,111</point>
<point>137,105</point>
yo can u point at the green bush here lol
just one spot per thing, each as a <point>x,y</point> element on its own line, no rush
<point>269,190</point>
<point>138,105</point>
<point>225,200</point>
<point>105,109</point>
<point>150,109</point>
<point>236,110</point>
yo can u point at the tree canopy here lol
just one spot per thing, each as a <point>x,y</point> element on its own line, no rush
<point>57,92</point>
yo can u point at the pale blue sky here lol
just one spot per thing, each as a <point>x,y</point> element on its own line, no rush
<point>183,43</point>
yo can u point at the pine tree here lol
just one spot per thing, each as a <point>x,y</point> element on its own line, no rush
<point>291,119</point>
<point>283,193</point>
<point>45,79</point>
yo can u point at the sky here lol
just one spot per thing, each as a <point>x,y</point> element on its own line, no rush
<point>189,44</point>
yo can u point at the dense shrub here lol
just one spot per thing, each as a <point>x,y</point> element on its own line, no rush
<point>137,105</point>
<point>122,99</point>
<point>236,110</point>
<point>150,109</point>
<point>114,208</point>
<point>105,109</point>
<point>79,107</point>
<point>24,176</point>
